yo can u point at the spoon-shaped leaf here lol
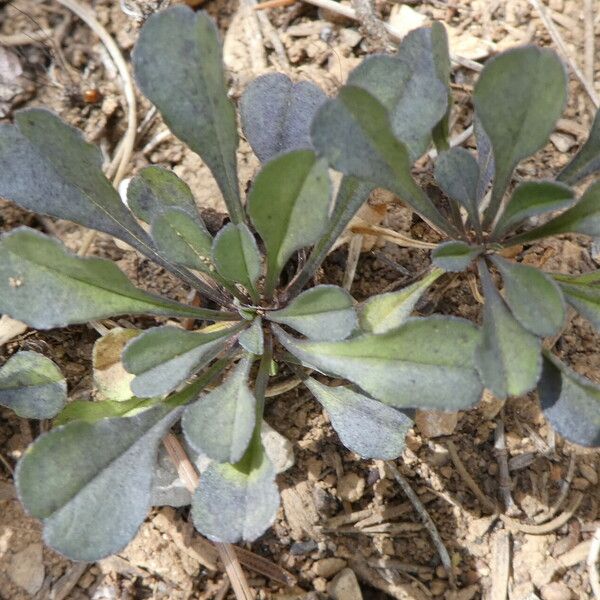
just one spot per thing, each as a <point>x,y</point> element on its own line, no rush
<point>237,502</point>
<point>584,218</point>
<point>587,160</point>
<point>518,98</point>
<point>533,198</point>
<point>183,240</point>
<point>49,168</point>
<point>289,205</point>
<point>90,483</point>
<point>154,190</point>
<point>509,356</point>
<point>410,86</point>
<point>533,297</point>
<point>252,339</point>
<point>455,255</point>
<point>163,357</point>
<point>325,312</point>
<point>457,174</point>
<point>185,81</point>
<point>220,423</point>
<point>32,385</point>
<point>353,132</point>
<point>570,402</point>
<point>365,426</point>
<point>44,285</point>
<point>236,255</point>
<point>276,114</point>
<point>388,311</point>
<point>426,363</point>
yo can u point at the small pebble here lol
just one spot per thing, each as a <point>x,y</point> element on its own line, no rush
<point>328,567</point>
<point>555,591</point>
<point>351,487</point>
<point>440,572</point>
<point>320,584</point>
<point>344,586</point>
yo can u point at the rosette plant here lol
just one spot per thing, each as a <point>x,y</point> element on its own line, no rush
<point>375,127</point>
<point>89,478</point>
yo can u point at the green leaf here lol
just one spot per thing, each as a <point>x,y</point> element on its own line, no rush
<point>533,198</point>
<point>509,356</point>
<point>365,426</point>
<point>111,381</point>
<point>570,402</point>
<point>235,503</point>
<point>154,190</point>
<point>44,285</point>
<point>289,206</point>
<point>90,483</point>
<point>236,255</point>
<point>252,339</point>
<point>276,114</point>
<point>49,168</point>
<point>90,411</point>
<point>443,68</point>
<point>426,363</point>
<point>163,357</point>
<point>384,312</point>
<point>518,98</point>
<point>584,218</point>
<point>587,160</point>
<point>353,132</point>
<point>183,240</point>
<point>32,385</point>
<point>351,195</point>
<point>185,81</point>
<point>220,423</point>
<point>325,312</point>
<point>533,297</point>
<point>455,255</point>
<point>582,278</point>
<point>583,294</point>
<point>457,174</point>
<point>410,87</point>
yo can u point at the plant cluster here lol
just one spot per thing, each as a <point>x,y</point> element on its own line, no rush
<point>89,478</point>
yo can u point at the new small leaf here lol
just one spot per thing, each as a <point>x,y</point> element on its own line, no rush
<point>455,255</point>
<point>384,312</point>
<point>509,356</point>
<point>163,357</point>
<point>325,312</point>
<point>289,206</point>
<point>32,385</point>
<point>220,423</point>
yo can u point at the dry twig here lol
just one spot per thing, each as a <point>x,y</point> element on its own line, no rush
<point>426,520</point>
<point>550,526</point>
<point>486,503</point>
<point>500,565</point>
<point>504,480</point>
